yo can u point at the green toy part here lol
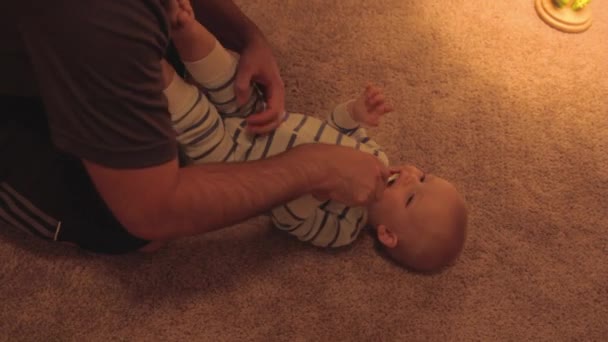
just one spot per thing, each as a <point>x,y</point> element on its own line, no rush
<point>572,16</point>
<point>578,5</point>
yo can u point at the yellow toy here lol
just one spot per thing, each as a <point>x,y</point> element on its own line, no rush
<point>570,16</point>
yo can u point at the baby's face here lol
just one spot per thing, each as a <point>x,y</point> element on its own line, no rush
<point>406,197</point>
<point>421,212</point>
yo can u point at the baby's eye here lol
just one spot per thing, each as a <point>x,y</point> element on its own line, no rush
<point>409,200</point>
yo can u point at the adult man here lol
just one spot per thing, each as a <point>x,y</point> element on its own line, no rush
<point>94,162</point>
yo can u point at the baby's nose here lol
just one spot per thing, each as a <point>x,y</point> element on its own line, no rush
<point>410,169</point>
<point>408,177</point>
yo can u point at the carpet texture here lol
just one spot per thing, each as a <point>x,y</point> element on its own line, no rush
<point>486,95</point>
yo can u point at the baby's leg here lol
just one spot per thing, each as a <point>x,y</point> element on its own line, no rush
<point>214,68</point>
<point>199,128</point>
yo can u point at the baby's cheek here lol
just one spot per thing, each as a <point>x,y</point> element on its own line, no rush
<point>386,206</point>
<point>396,217</point>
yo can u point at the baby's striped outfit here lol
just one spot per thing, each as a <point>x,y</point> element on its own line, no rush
<point>211,128</point>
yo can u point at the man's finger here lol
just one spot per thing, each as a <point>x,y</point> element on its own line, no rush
<point>242,84</point>
<point>262,118</point>
<point>385,172</point>
<point>394,169</point>
<point>275,100</point>
<point>275,95</point>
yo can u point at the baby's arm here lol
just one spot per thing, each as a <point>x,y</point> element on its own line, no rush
<point>323,224</point>
<point>368,109</point>
<point>341,119</point>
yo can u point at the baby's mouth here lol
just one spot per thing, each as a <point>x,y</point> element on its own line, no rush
<point>392,179</point>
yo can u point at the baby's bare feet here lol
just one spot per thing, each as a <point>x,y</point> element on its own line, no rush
<point>192,41</point>
<point>370,106</point>
<point>181,17</point>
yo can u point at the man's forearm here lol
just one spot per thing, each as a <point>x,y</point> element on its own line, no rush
<point>213,196</point>
<point>226,21</point>
<point>164,202</point>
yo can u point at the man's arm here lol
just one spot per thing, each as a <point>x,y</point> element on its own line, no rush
<point>257,64</point>
<point>165,202</point>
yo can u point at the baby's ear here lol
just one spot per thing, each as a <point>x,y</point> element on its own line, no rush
<point>386,236</point>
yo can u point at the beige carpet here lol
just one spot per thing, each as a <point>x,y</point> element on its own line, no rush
<point>487,95</point>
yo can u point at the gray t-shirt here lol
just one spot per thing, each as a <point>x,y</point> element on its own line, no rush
<point>95,64</point>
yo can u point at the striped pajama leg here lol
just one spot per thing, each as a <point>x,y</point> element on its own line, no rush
<point>216,73</point>
<point>200,130</point>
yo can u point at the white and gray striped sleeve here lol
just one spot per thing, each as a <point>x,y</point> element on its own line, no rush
<point>326,224</point>
<point>341,120</point>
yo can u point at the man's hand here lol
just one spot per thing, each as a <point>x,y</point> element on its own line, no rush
<point>257,64</point>
<point>349,176</point>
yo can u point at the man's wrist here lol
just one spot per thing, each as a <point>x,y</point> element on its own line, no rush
<point>313,172</point>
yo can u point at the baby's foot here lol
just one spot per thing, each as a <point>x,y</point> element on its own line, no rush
<point>192,41</point>
<point>181,19</point>
<point>370,106</point>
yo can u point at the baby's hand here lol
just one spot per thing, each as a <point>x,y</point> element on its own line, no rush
<point>370,106</point>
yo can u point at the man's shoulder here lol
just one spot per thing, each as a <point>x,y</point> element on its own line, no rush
<point>86,11</point>
<point>97,66</point>
<point>85,31</point>
<point>144,19</point>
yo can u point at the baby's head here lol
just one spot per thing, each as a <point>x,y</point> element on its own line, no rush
<point>420,220</point>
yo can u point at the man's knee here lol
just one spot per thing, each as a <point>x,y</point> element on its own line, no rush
<point>153,246</point>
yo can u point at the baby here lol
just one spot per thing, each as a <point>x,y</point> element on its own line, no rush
<point>420,220</point>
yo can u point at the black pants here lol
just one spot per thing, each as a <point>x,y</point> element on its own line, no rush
<point>47,192</point>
